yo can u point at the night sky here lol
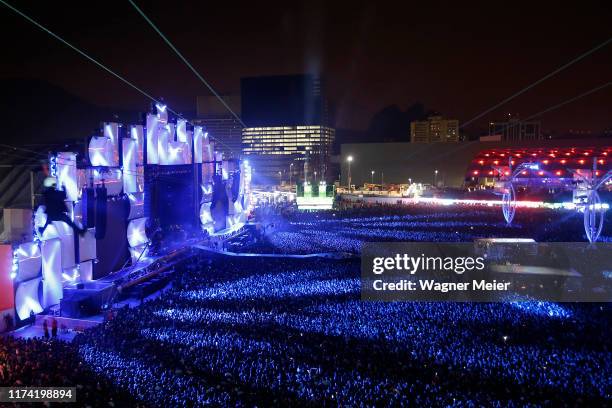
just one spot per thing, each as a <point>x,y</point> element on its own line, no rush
<point>458,58</point>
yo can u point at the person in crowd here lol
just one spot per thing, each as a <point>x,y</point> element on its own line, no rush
<point>46,329</point>
<point>53,328</point>
<point>8,322</point>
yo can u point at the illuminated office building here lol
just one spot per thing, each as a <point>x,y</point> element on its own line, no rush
<point>287,127</point>
<point>284,149</point>
<point>287,140</point>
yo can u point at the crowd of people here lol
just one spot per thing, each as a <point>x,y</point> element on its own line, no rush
<point>41,362</point>
<point>294,332</point>
<point>348,229</point>
<point>265,331</point>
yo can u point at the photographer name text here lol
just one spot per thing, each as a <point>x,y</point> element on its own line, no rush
<point>444,287</point>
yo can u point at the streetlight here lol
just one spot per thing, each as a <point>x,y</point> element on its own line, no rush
<point>435,178</point>
<point>315,176</point>
<point>349,160</point>
<point>280,178</point>
<point>290,174</point>
<point>372,176</point>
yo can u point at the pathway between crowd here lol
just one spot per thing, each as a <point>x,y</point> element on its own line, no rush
<point>328,255</point>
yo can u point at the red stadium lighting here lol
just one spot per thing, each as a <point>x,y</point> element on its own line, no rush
<point>601,161</point>
<point>563,161</point>
<point>496,162</point>
<point>507,173</point>
<point>512,162</point>
<point>491,173</point>
<point>581,161</point>
<point>541,173</point>
<point>475,172</point>
<point>568,154</point>
<point>481,162</point>
<point>534,154</point>
<point>524,172</point>
<point>545,161</point>
<point>558,172</point>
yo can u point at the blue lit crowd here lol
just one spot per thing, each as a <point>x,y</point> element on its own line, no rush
<point>294,332</point>
<point>347,230</point>
<point>254,331</point>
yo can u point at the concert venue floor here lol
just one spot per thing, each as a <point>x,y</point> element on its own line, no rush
<point>280,329</point>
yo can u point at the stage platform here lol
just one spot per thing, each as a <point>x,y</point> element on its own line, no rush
<point>85,299</point>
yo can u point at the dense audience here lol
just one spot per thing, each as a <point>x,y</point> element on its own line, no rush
<point>245,331</point>
<point>293,332</point>
<point>45,363</point>
<point>347,230</point>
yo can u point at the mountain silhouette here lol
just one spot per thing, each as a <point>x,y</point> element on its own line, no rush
<point>34,111</point>
<point>391,124</point>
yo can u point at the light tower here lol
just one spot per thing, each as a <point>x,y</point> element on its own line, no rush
<point>349,160</point>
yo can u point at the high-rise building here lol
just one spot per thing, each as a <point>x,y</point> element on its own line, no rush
<point>516,130</point>
<point>287,125</point>
<point>284,149</point>
<point>434,129</point>
<point>220,123</point>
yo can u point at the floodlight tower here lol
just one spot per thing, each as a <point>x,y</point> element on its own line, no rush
<point>349,160</point>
